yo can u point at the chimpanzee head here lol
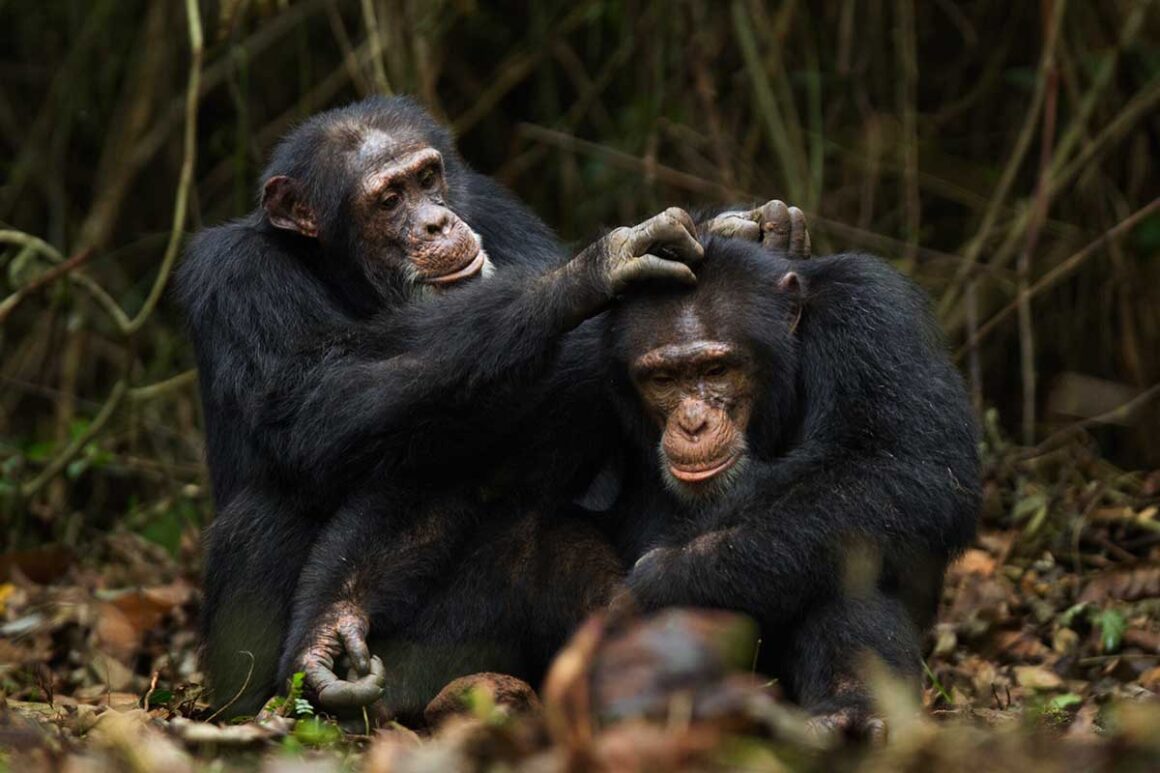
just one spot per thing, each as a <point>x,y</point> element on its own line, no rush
<point>708,373</point>
<point>375,183</point>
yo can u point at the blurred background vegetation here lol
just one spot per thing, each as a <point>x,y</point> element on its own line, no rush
<point>1003,153</point>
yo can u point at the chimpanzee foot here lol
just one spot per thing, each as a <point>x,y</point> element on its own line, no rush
<point>342,632</point>
<point>776,226</point>
<point>853,723</point>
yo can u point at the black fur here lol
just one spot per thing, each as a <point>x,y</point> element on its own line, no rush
<point>313,381</point>
<point>863,475</point>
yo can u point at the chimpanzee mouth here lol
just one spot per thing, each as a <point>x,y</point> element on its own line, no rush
<point>702,474</point>
<point>470,269</point>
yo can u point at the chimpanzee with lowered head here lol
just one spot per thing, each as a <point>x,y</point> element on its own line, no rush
<point>805,453</point>
<point>386,310</point>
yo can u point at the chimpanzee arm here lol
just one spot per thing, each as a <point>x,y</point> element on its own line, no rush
<point>774,554</point>
<point>323,418</point>
<point>375,563</point>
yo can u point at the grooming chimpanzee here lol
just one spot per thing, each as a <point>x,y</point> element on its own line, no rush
<point>344,329</point>
<point>806,455</point>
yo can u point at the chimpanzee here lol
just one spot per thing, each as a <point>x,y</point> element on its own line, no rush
<point>805,453</point>
<point>352,325</point>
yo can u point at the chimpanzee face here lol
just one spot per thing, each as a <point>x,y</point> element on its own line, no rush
<point>404,232</point>
<point>700,393</point>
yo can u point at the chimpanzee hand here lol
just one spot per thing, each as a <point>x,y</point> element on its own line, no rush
<point>775,225</point>
<point>342,631</point>
<point>661,247</point>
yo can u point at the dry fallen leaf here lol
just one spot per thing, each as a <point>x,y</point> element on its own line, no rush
<point>1037,678</point>
<point>1141,582</point>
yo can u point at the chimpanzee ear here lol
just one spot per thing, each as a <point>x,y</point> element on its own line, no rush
<point>286,207</point>
<point>793,287</point>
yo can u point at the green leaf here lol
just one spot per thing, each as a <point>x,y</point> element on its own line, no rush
<point>76,468</point>
<point>1112,625</point>
<point>1064,701</point>
<point>316,732</point>
<point>1069,616</point>
<point>161,698</point>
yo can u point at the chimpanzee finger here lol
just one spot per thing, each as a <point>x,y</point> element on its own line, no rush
<point>799,237</point>
<point>876,731</point>
<point>672,231</point>
<point>335,694</point>
<point>648,267</point>
<point>776,225</point>
<point>682,217</point>
<point>354,642</point>
<point>734,225</point>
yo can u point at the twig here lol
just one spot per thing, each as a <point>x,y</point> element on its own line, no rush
<point>238,694</point>
<point>185,181</point>
<point>790,158</point>
<point>695,184</point>
<point>1040,204</point>
<point>1118,414</point>
<point>129,327</point>
<point>1007,178</point>
<point>906,89</point>
<point>1060,271</point>
<point>61,460</point>
<point>45,279</point>
<point>974,363</point>
<point>512,70</point>
<point>178,382</point>
<point>374,36</point>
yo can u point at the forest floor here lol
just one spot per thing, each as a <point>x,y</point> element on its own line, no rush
<point>1046,656</point>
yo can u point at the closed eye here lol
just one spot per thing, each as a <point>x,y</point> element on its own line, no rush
<point>715,371</point>
<point>428,177</point>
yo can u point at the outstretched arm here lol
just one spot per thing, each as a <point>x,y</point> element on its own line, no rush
<point>326,415</point>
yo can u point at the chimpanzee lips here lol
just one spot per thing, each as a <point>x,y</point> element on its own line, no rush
<point>469,269</point>
<point>688,474</point>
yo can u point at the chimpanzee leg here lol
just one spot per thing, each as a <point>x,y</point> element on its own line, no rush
<point>514,599</point>
<point>824,664</point>
<point>252,557</point>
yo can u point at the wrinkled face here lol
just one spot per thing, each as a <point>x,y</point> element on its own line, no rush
<point>404,233</point>
<point>700,393</point>
<point>406,224</point>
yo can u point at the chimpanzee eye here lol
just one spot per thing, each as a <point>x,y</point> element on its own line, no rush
<point>715,371</point>
<point>427,177</point>
<point>661,380</point>
<point>391,201</point>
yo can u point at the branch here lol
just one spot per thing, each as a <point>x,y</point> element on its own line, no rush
<point>185,183</point>
<point>1059,272</point>
<point>45,279</point>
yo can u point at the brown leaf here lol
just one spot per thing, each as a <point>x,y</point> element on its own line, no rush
<point>973,562</point>
<point>1131,585</point>
<point>40,565</point>
<point>123,620</point>
<point>1148,641</point>
<point>1020,645</point>
<point>1037,678</point>
<point>1151,679</point>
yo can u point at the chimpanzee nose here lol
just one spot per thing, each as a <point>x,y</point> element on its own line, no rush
<point>692,418</point>
<point>436,221</point>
